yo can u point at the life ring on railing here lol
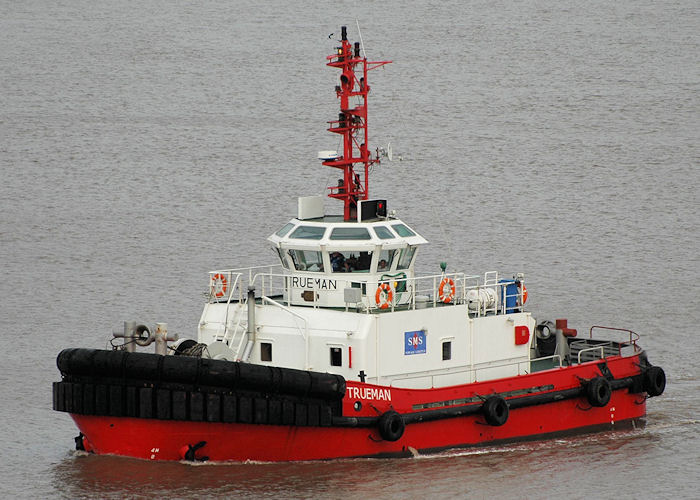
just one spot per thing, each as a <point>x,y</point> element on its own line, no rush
<point>522,293</point>
<point>384,295</point>
<point>446,296</point>
<point>219,285</point>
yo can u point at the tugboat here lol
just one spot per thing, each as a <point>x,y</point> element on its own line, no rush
<point>341,349</point>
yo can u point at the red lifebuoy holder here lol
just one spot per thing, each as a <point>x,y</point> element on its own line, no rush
<point>219,284</point>
<point>384,296</point>
<point>447,290</point>
<point>522,335</point>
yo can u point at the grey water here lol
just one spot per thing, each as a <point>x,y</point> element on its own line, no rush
<point>143,144</point>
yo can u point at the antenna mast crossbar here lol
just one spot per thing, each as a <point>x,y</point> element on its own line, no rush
<point>352,125</point>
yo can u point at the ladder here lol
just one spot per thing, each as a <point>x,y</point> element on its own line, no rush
<point>236,329</point>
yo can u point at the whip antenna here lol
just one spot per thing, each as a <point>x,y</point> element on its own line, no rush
<point>362,44</point>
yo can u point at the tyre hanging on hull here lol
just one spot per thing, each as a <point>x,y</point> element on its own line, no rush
<point>391,426</point>
<point>654,381</point>
<point>598,392</point>
<point>495,410</point>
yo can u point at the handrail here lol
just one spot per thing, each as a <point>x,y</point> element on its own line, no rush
<point>484,295</point>
<point>602,351</point>
<point>471,369</point>
<point>241,314</point>
<point>482,299</point>
<point>633,336</point>
<point>304,334</point>
<point>240,270</point>
<point>235,279</point>
<point>228,301</point>
<point>549,357</point>
<point>229,277</point>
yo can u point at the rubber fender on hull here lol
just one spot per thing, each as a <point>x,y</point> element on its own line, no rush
<point>101,364</point>
<point>194,406</point>
<point>391,426</point>
<point>598,392</point>
<point>654,381</point>
<point>495,410</point>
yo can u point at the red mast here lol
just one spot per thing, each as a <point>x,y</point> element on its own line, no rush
<point>352,125</point>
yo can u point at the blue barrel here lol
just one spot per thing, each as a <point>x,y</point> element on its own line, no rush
<point>509,295</point>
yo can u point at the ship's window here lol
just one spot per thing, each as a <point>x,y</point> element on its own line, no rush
<point>350,233</point>
<point>403,230</point>
<point>383,233</point>
<point>336,356</point>
<point>385,259</point>
<point>308,233</point>
<point>350,261</point>
<point>265,351</point>
<point>405,257</point>
<point>285,229</point>
<point>281,256</point>
<point>307,260</point>
<point>446,350</point>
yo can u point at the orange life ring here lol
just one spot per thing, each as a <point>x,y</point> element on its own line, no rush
<point>215,280</point>
<point>523,293</point>
<point>388,293</point>
<point>447,297</point>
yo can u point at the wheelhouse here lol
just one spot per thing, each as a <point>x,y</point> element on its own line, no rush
<point>329,255</point>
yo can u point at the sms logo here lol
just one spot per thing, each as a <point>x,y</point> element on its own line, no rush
<point>414,342</point>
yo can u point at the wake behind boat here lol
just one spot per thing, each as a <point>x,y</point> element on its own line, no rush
<point>341,349</point>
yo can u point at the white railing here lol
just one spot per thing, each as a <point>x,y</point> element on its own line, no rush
<point>485,296</point>
<point>600,349</point>
<point>230,285</point>
<point>471,372</point>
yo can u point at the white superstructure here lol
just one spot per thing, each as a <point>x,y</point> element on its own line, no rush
<point>345,299</point>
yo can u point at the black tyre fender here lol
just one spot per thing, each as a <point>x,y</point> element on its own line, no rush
<point>598,392</point>
<point>654,381</point>
<point>391,426</point>
<point>495,410</point>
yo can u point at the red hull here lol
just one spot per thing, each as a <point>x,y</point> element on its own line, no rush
<point>168,439</point>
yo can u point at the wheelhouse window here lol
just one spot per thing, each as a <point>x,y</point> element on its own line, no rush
<point>405,257</point>
<point>285,229</point>
<point>336,356</point>
<point>402,230</point>
<point>350,233</point>
<point>281,257</point>
<point>308,233</point>
<point>350,261</point>
<point>386,257</point>
<point>384,233</point>
<point>307,260</point>
<point>265,351</point>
